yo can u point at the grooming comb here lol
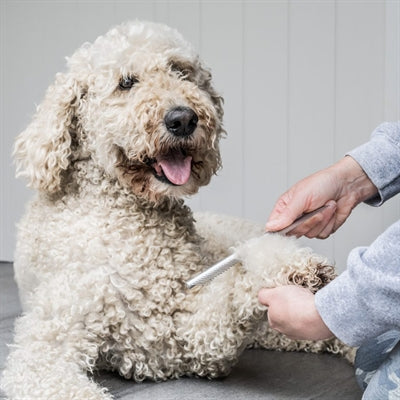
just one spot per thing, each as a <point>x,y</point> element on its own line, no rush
<point>226,263</point>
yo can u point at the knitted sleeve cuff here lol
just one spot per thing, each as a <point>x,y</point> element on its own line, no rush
<point>380,160</point>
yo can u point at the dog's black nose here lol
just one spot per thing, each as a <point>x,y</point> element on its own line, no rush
<point>181,121</point>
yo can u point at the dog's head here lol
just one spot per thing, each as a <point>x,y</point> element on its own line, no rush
<point>139,103</point>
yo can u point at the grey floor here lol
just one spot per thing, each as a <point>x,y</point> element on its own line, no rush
<point>259,374</point>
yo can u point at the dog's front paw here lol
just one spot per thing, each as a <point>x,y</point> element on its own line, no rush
<point>274,260</point>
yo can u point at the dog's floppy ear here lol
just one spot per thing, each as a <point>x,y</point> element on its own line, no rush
<point>42,152</point>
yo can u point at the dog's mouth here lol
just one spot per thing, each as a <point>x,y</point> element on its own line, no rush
<point>174,167</point>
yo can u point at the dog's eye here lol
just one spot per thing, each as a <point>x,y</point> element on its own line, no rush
<point>127,82</point>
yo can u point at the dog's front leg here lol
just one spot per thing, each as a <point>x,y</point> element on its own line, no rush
<point>217,329</point>
<point>47,361</point>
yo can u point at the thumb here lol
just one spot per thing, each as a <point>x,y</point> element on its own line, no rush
<point>265,296</point>
<point>283,214</point>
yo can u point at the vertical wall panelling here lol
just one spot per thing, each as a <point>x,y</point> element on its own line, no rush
<point>129,11</point>
<point>391,211</point>
<point>161,11</point>
<point>360,71</point>
<point>311,76</point>
<point>4,160</point>
<point>89,19</point>
<point>359,103</point>
<point>264,106</point>
<point>221,47</point>
<point>185,16</point>
<point>392,60</point>
<point>303,82</point>
<point>311,91</point>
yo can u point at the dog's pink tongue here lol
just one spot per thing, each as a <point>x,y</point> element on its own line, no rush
<point>177,167</point>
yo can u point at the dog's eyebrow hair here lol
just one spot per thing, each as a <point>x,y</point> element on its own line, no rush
<point>181,66</point>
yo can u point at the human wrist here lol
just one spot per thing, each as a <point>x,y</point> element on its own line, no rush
<point>355,183</point>
<point>321,330</point>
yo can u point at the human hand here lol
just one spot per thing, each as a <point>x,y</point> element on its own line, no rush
<point>341,187</point>
<point>292,311</point>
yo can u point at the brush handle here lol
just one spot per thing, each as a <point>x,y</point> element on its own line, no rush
<point>299,221</point>
<point>214,271</point>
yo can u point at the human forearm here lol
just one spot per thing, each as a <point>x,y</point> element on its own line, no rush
<point>363,301</point>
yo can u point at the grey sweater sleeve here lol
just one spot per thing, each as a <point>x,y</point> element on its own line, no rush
<point>363,301</point>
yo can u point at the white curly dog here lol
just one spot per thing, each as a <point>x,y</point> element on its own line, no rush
<point>106,246</point>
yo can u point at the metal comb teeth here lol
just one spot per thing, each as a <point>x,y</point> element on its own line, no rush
<point>213,271</point>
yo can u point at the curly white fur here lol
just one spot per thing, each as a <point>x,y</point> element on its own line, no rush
<point>105,248</point>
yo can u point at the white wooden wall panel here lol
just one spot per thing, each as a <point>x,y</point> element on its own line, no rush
<point>312,77</point>
<point>359,104</point>
<point>186,17</point>
<point>303,82</point>
<point>225,49</point>
<point>265,121</point>
<point>392,86</point>
<point>392,60</point>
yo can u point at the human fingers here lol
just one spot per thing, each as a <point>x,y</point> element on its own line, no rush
<point>336,221</point>
<point>317,223</point>
<point>265,296</point>
<point>273,298</point>
<point>343,211</point>
<point>324,226</point>
<point>282,214</point>
<point>328,230</point>
<point>291,205</point>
